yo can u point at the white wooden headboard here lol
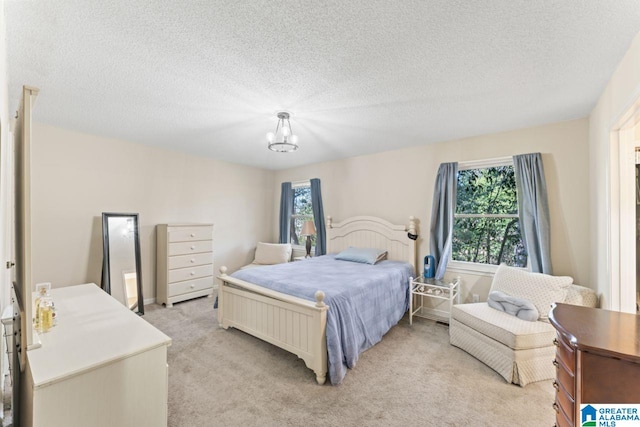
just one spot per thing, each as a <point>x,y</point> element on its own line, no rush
<point>372,232</point>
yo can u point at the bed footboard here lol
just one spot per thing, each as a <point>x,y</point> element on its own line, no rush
<point>293,324</point>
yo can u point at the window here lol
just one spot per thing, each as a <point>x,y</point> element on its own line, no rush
<point>302,211</point>
<point>486,228</point>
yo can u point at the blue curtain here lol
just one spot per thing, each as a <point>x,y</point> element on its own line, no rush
<point>442,210</point>
<point>533,210</point>
<point>286,210</point>
<point>318,217</point>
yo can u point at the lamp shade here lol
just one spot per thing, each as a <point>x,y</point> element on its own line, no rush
<point>308,228</point>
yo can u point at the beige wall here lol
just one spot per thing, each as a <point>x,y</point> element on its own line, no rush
<point>618,96</point>
<point>396,184</point>
<point>77,176</point>
<point>6,171</point>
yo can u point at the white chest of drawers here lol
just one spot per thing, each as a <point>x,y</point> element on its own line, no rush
<point>185,262</point>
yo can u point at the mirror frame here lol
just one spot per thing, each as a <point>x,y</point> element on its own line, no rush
<point>106,279</point>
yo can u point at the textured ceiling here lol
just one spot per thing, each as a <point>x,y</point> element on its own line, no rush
<point>360,76</point>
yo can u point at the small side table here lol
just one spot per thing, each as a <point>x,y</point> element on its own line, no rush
<point>422,288</point>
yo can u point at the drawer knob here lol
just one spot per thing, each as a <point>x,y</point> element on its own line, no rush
<point>555,363</point>
<point>555,407</point>
<point>193,247</point>
<point>556,386</point>
<point>193,234</point>
<point>193,286</point>
<point>192,260</point>
<point>193,273</point>
<point>556,343</point>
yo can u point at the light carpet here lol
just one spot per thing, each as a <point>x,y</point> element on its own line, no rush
<point>413,376</point>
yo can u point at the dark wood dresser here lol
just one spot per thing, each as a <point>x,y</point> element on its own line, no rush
<point>597,359</point>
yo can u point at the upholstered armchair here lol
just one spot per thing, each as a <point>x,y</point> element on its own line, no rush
<point>521,351</point>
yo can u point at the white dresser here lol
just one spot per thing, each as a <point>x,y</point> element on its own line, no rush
<point>185,262</point>
<point>101,365</point>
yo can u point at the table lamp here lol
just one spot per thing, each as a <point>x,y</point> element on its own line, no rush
<point>308,229</point>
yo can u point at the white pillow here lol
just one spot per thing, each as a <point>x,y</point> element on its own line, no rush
<point>541,289</point>
<point>272,253</point>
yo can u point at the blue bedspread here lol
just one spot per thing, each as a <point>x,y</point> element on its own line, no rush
<point>364,301</point>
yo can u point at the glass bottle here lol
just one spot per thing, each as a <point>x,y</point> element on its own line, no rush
<point>45,314</point>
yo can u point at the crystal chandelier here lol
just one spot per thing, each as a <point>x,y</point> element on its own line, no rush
<point>283,140</point>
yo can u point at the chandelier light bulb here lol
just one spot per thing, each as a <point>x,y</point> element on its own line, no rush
<point>270,137</point>
<point>285,131</point>
<point>294,139</point>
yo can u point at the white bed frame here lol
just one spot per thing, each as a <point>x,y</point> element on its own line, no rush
<point>298,325</point>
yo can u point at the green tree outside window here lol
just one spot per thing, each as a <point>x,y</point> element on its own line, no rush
<point>486,227</point>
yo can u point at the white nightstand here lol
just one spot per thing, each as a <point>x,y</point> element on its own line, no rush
<point>422,288</point>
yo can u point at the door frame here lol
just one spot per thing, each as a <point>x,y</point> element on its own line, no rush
<point>622,218</point>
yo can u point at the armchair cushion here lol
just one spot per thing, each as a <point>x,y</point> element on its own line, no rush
<point>541,289</point>
<point>580,295</point>
<point>514,333</point>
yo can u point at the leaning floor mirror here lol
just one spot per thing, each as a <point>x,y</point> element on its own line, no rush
<point>121,273</point>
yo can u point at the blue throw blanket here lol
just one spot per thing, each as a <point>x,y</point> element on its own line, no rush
<point>521,308</point>
<point>364,300</point>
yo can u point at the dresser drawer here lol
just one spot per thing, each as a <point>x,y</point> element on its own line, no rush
<point>565,378</point>
<point>565,353</point>
<point>566,403</point>
<point>183,261</point>
<point>561,418</point>
<point>184,248</point>
<point>190,286</point>
<point>190,273</point>
<point>188,234</point>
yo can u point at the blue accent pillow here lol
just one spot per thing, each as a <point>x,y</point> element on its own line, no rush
<point>363,255</point>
